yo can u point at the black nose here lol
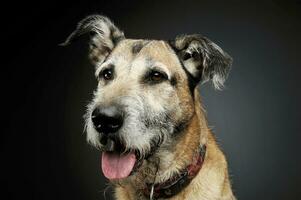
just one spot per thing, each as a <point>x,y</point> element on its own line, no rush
<point>107,120</point>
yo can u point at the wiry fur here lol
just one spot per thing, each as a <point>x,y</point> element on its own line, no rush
<point>203,59</point>
<point>166,115</point>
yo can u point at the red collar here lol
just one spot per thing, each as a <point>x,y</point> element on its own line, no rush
<point>177,183</point>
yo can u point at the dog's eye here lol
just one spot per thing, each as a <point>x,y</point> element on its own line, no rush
<point>156,76</point>
<point>106,74</point>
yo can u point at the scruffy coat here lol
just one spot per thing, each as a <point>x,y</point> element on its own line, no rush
<point>166,109</point>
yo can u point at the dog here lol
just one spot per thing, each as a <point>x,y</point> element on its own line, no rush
<point>147,118</point>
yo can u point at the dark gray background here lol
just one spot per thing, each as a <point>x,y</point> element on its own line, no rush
<point>46,87</point>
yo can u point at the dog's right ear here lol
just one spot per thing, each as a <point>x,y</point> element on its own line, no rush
<point>104,36</point>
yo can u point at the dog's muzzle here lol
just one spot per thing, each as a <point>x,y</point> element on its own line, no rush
<point>117,162</point>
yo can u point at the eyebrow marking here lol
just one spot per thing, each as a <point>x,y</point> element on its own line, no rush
<point>137,47</point>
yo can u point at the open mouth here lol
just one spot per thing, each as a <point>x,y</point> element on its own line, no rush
<point>117,163</point>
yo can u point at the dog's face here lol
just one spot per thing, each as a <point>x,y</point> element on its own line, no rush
<point>145,90</point>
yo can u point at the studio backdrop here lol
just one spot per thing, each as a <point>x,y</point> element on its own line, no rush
<point>256,118</point>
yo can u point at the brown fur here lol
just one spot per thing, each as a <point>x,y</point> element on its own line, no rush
<point>192,55</point>
<point>212,182</point>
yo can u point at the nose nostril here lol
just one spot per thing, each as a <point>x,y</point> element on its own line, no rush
<point>107,120</point>
<point>114,126</point>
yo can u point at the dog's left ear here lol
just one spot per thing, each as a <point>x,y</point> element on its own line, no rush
<point>202,59</point>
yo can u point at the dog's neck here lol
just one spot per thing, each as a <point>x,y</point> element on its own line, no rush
<point>175,158</point>
<point>178,182</point>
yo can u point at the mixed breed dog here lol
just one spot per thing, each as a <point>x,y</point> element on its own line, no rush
<point>147,118</point>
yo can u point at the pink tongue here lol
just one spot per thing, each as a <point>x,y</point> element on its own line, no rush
<point>116,166</point>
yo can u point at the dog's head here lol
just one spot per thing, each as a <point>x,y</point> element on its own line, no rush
<point>145,90</point>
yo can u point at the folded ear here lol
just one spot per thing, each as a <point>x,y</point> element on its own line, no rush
<point>104,36</point>
<point>203,59</point>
